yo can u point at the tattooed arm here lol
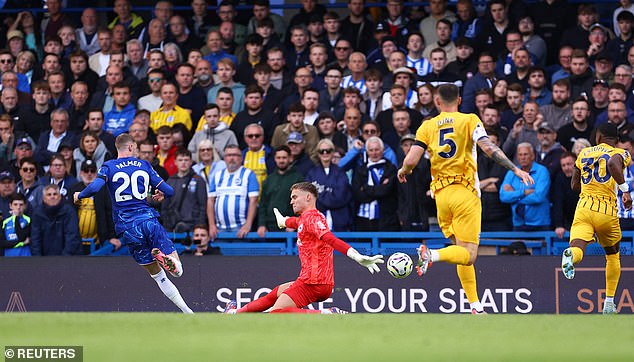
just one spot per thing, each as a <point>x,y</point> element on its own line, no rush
<point>495,153</point>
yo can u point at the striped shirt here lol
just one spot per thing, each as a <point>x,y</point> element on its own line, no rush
<point>628,173</point>
<point>422,65</point>
<point>232,191</point>
<point>359,84</point>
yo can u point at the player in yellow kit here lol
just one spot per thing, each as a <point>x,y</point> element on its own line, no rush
<point>451,139</point>
<point>597,173</point>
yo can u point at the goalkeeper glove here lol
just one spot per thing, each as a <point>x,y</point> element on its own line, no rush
<point>281,220</point>
<point>19,245</point>
<point>369,262</point>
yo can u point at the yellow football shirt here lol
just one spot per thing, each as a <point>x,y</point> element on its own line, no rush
<point>159,118</point>
<point>451,140</point>
<point>598,188</point>
<point>256,162</point>
<point>87,219</point>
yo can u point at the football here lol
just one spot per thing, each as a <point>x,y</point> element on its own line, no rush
<point>399,265</point>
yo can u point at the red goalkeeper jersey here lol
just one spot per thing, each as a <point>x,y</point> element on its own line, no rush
<point>315,255</point>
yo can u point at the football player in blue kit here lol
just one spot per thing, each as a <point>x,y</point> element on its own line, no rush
<point>136,222</point>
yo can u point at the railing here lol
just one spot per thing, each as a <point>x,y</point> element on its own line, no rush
<point>283,243</point>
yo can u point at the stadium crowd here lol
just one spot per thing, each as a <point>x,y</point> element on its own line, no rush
<point>232,108</point>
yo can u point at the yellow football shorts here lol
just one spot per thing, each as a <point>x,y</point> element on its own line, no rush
<point>587,223</point>
<point>459,213</point>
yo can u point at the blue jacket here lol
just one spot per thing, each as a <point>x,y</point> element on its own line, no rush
<point>55,230</point>
<point>118,122</point>
<point>335,195</point>
<point>355,158</point>
<point>532,209</point>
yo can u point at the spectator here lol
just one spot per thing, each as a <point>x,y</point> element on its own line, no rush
<point>425,105</point>
<point>254,113</point>
<point>492,36</point>
<point>327,129</point>
<point>275,191</point>
<point>262,10</point>
<point>226,71</point>
<point>443,34</point>
<point>257,156</point>
<point>491,121</point>
<point>351,129</point>
<point>397,99</point>
<point>99,61</point>
<point>209,162</point>
<point>438,12</point>
<point>302,81</point>
<point>55,226</point>
<point>413,196</point>
<point>310,101</point>
<point>495,214</point>
<point>187,207</point>
<point>58,174</point>
<point>562,70</point>
<point>190,96</point>
<point>216,131</point>
<point>529,204</point>
<point>537,91</point>
<point>94,123</point>
<point>203,75</point>
<point>50,142</point>
<point>581,77</point>
<point>272,95</point>
<point>440,74</point>
<point>133,23</point>
<point>524,129</point>
<point>119,119</point>
<point>36,118</point>
<point>200,236</point>
<point>343,49</point>
<point>233,197</point>
<point>60,98</point>
<point>90,148</point>
<point>373,98</point>
<point>94,213</point>
<point>401,124</point>
<point>7,187</point>
<point>520,66</point>
<point>28,184</point>
<point>579,127</point>
<point>86,34</point>
<point>318,56</point>
<point>166,151</point>
<point>626,5</point>
<point>8,138</point>
<point>331,98</point>
<point>136,63</point>
<point>147,152</point>
<point>466,64</point>
<point>374,191</point>
<point>252,57</point>
<point>534,43</point>
<point>103,98</point>
<point>357,155</point>
<point>577,36</point>
<point>297,53</point>
<point>357,64</point>
<point>78,109</point>
<point>16,229</point>
<point>558,114</point>
<point>579,145</point>
<point>170,114</point>
<point>549,151</point>
<point>215,52</point>
<point>9,104</point>
<point>296,123</point>
<point>626,217</point>
<point>514,100</point>
<point>152,102</point>
<point>403,76</point>
<point>300,161</point>
<point>564,198</point>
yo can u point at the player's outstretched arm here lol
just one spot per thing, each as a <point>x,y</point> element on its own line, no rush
<point>167,190</point>
<point>341,246</point>
<point>411,160</point>
<point>575,181</point>
<point>495,153</point>
<point>285,221</point>
<point>91,189</point>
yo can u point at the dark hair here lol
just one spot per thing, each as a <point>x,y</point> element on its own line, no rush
<point>30,160</point>
<point>305,186</point>
<point>284,148</point>
<point>262,68</point>
<point>183,152</point>
<point>568,154</point>
<point>16,196</point>
<point>448,93</point>
<point>185,65</point>
<point>608,130</point>
<point>164,130</point>
<point>226,90</point>
<point>253,88</point>
<point>209,106</point>
<point>296,108</point>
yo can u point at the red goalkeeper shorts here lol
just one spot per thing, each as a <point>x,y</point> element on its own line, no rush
<point>303,294</point>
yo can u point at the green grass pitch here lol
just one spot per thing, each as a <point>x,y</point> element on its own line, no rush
<point>354,337</point>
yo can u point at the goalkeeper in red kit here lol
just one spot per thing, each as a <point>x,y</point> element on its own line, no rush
<point>315,243</point>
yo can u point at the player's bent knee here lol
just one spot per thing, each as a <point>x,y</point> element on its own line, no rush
<point>611,250</point>
<point>578,243</point>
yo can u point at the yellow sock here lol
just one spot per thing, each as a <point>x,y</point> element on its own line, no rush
<point>577,254</point>
<point>454,254</point>
<point>467,276</point>
<point>612,273</point>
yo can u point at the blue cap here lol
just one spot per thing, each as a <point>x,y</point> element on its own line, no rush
<point>6,175</point>
<point>295,137</point>
<point>24,140</point>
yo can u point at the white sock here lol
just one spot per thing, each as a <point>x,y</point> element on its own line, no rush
<point>477,306</point>
<point>609,299</point>
<point>169,289</point>
<point>434,256</point>
<point>326,311</point>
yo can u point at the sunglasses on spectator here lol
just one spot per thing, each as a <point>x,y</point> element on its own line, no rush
<point>28,169</point>
<point>342,49</point>
<point>254,135</point>
<point>326,151</point>
<point>155,80</point>
<point>6,61</point>
<point>204,149</point>
<point>90,171</point>
<point>370,131</point>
